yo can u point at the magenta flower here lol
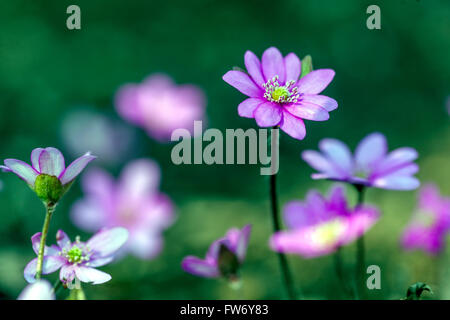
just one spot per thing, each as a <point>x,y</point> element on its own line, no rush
<point>320,226</point>
<point>134,202</point>
<point>78,259</point>
<point>224,256</point>
<point>277,97</point>
<point>160,106</point>
<point>371,165</point>
<point>430,223</point>
<point>47,175</point>
<point>40,290</point>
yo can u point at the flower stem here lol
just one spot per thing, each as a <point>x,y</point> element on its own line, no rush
<point>360,252</point>
<point>340,273</point>
<point>285,270</point>
<point>40,261</point>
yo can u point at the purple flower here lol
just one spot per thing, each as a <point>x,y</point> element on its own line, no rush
<point>430,223</point>
<point>320,226</point>
<point>133,202</point>
<point>371,165</point>
<point>160,106</point>
<point>224,256</point>
<point>277,97</point>
<point>40,290</point>
<point>47,175</point>
<point>78,259</point>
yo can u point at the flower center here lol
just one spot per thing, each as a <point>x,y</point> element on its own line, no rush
<point>329,233</point>
<point>75,254</point>
<point>281,94</point>
<point>78,253</point>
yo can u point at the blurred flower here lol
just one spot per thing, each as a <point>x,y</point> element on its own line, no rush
<point>134,202</point>
<point>78,259</point>
<point>277,97</point>
<point>320,226</point>
<point>40,290</point>
<point>48,176</point>
<point>160,106</point>
<point>84,129</point>
<point>223,258</point>
<point>371,165</point>
<point>430,223</point>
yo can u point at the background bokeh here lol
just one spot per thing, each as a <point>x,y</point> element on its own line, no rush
<point>395,80</point>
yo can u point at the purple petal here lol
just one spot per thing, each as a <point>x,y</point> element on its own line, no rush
<point>200,267</point>
<point>144,244</point>
<point>254,68</point>
<point>395,160</point>
<point>242,244</point>
<point>62,239</point>
<point>35,154</point>
<point>91,275</point>
<point>359,222</point>
<point>337,201</point>
<point>89,214</point>
<point>98,262</point>
<point>325,102</point>
<point>370,151</point>
<point>36,243</point>
<point>295,215</point>
<point>247,107</point>
<point>315,81</point>
<point>339,154</point>
<point>273,65</point>
<point>139,179</point>
<point>267,114</point>
<point>51,162</point>
<point>40,290</point>
<point>50,264</point>
<point>243,83</point>
<point>293,126</point>
<point>293,67</point>
<point>308,111</point>
<point>322,164</point>
<point>397,182</point>
<point>67,273</point>
<point>106,242</point>
<point>23,170</point>
<point>74,169</point>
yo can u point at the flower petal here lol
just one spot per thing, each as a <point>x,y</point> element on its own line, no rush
<point>51,162</point>
<point>35,154</point>
<point>40,290</point>
<point>395,160</point>
<point>254,68</point>
<point>242,243</point>
<point>139,179</point>
<point>98,262</point>
<point>145,245</point>
<point>243,83</point>
<point>273,65</point>
<point>315,81</point>
<point>397,182</point>
<point>267,114</point>
<point>91,275</point>
<point>36,243</point>
<point>67,273</point>
<point>107,241</point>
<point>200,267</point>
<point>247,107</point>
<point>293,67</point>
<point>370,151</point>
<point>293,126</point>
<point>295,215</point>
<point>322,164</point>
<point>74,169</point>
<point>339,154</point>
<point>62,239</point>
<point>325,102</point>
<point>50,264</point>
<point>308,111</point>
<point>23,170</point>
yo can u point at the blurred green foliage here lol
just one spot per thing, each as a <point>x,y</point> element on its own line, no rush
<point>394,80</point>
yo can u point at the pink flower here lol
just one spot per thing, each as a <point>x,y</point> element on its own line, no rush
<point>133,202</point>
<point>320,226</point>
<point>430,223</point>
<point>224,256</point>
<point>78,259</point>
<point>160,106</point>
<point>277,97</point>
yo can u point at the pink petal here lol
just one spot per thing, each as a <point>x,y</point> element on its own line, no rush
<point>370,151</point>
<point>50,264</point>
<point>254,68</point>
<point>74,169</point>
<point>91,275</point>
<point>36,243</point>
<point>325,102</point>
<point>107,241</point>
<point>322,164</point>
<point>268,114</point>
<point>293,67</point>
<point>199,267</point>
<point>242,243</point>
<point>23,170</point>
<point>139,179</point>
<point>308,111</point>
<point>62,239</point>
<point>51,162</point>
<point>35,154</point>
<point>273,65</point>
<point>293,126</point>
<point>243,83</point>
<point>247,107</point>
<point>338,153</point>
<point>315,81</point>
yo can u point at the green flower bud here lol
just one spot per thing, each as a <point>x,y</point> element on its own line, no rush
<point>307,66</point>
<point>415,291</point>
<point>48,188</point>
<point>228,262</point>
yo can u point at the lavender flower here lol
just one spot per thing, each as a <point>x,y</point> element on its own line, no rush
<point>320,226</point>
<point>47,175</point>
<point>40,290</point>
<point>223,258</point>
<point>78,259</point>
<point>371,165</point>
<point>430,223</point>
<point>160,106</point>
<point>277,97</point>
<point>133,202</point>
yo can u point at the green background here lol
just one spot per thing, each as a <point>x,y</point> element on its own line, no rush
<point>394,80</point>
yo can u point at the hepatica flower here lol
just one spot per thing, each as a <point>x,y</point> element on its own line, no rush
<point>78,259</point>
<point>223,258</point>
<point>160,106</point>
<point>40,290</point>
<point>47,175</point>
<point>276,95</point>
<point>371,165</point>
<point>430,224</point>
<point>319,226</point>
<point>133,202</point>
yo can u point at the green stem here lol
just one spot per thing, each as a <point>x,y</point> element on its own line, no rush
<point>40,261</point>
<point>285,270</point>
<point>340,272</point>
<point>360,252</point>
